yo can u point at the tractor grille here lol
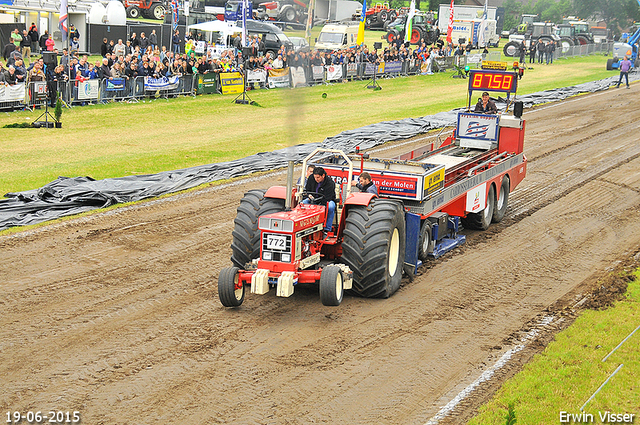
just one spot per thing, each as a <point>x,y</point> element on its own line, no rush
<point>274,246</point>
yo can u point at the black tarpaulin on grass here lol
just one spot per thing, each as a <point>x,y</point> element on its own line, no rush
<point>68,196</point>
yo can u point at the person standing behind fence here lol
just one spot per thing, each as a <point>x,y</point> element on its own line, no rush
<point>16,38</point>
<point>550,49</point>
<point>153,39</point>
<point>540,47</point>
<point>34,36</point>
<point>532,53</point>
<point>119,49</point>
<point>625,66</point>
<point>176,40</point>
<point>25,45</point>
<point>50,44</point>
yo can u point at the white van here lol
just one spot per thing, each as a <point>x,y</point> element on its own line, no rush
<point>337,36</point>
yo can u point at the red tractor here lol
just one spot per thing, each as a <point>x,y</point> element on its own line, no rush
<point>378,15</point>
<point>147,8</point>
<point>424,197</point>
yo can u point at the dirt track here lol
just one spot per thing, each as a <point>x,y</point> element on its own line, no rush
<point>116,315</point>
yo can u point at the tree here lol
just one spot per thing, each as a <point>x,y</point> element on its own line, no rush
<point>618,14</point>
<point>512,12</point>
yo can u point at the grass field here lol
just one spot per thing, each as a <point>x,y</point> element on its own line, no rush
<point>570,370</point>
<point>123,139</point>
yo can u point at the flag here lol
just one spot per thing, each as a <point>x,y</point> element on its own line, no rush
<point>245,8</point>
<point>482,28</point>
<point>450,27</point>
<point>174,14</point>
<point>62,22</point>
<point>409,27</point>
<point>310,10</point>
<point>363,15</point>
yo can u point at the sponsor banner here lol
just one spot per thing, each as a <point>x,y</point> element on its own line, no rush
<point>499,65</point>
<point>298,79</point>
<point>279,78</point>
<point>13,93</point>
<point>433,182</point>
<point>200,47</point>
<point>478,126</point>
<point>393,67</point>
<point>392,184</point>
<point>257,76</point>
<point>88,89</point>
<point>38,90</point>
<point>352,69</point>
<point>231,82</point>
<point>116,84</point>
<point>369,68</point>
<point>164,83</point>
<point>334,72</point>
<point>476,198</point>
<point>318,72</point>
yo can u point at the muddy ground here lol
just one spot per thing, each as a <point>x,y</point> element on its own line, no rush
<point>116,315</point>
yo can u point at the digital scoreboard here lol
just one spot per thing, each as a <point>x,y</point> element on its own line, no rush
<point>500,81</point>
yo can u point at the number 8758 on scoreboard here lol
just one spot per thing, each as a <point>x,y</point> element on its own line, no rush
<point>501,81</point>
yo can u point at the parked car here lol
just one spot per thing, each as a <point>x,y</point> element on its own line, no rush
<point>300,44</point>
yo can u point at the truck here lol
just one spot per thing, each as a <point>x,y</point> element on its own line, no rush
<point>425,198</point>
<point>337,36</point>
<point>469,13</point>
<point>469,32</point>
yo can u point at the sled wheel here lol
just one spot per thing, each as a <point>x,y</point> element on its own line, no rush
<point>426,243</point>
<point>481,220</point>
<point>503,201</point>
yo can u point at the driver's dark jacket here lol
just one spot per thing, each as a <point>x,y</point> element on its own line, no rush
<point>327,188</point>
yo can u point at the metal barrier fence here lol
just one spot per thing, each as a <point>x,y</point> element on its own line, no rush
<point>83,91</point>
<point>86,91</point>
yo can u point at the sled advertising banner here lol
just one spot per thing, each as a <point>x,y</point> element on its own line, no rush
<point>478,126</point>
<point>88,89</point>
<point>334,72</point>
<point>231,82</point>
<point>13,93</point>
<point>279,78</point>
<point>298,78</point>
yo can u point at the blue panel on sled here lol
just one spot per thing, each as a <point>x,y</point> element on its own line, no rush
<point>412,239</point>
<point>447,244</point>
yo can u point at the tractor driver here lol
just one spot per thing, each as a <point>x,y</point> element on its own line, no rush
<point>325,188</point>
<point>486,105</point>
<point>366,184</point>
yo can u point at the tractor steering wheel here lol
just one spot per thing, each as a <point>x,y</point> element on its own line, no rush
<point>314,197</point>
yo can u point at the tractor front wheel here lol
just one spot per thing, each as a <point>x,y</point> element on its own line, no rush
<point>230,291</point>
<point>331,286</point>
<point>373,246</point>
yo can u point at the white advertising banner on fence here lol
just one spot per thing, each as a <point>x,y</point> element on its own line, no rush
<point>88,89</point>
<point>13,93</point>
<point>318,72</point>
<point>257,76</point>
<point>279,78</point>
<point>334,72</point>
<point>352,69</point>
<point>164,83</point>
<point>298,79</point>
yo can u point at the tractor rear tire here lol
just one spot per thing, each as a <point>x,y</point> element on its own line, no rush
<point>503,201</point>
<point>416,36</point>
<point>229,295</point>
<point>393,16</point>
<point>512,49</point>
<point>481,220</point>
<point>156,11</point>
<point>289,15</point>
<point>133,12</point>
<point>245,245</point>
<point>331,286</point>
<point>373,247</point>
<point>582,40</point>
<point>391,34</point>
